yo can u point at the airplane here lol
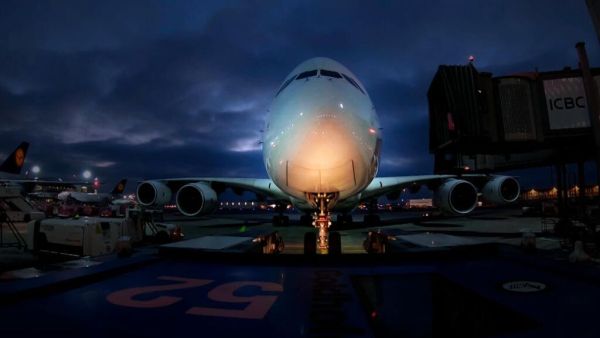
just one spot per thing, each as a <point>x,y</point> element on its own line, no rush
<point>89,203</point>
<point>90,197</point>
<point>13,165</point>
<point>321,151</point>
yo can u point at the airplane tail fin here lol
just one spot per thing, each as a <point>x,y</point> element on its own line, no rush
<point>15,161</point>
<point>120,187</point>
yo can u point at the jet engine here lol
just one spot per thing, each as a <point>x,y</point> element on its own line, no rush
<point>153,193</point>
<point>456,196</point>
<point>501,190</point>
<point>196,198</point>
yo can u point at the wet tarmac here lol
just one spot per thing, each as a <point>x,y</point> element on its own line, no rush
<point>490,287</point>
<point>505,226</point>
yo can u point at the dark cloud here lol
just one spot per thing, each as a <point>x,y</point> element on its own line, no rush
<point>162,88</point>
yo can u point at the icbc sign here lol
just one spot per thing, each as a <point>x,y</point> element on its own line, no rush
<point>566,103</point>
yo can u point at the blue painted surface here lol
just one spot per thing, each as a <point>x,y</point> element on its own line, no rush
<point>312,295</point>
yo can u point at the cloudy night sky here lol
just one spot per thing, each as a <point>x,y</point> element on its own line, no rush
<point>155,89</point>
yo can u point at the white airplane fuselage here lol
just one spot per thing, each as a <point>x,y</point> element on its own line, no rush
<point>322,134</point>
<point>321,147</point>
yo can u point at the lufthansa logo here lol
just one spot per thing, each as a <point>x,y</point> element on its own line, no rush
<point>19,157</point>
<point>524,286</point>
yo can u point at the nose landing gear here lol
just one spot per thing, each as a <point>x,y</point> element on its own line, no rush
<point>326,242</point>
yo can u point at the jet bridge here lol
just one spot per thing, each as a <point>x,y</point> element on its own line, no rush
<point>485,123</point>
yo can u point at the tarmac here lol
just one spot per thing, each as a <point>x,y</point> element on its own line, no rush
<point>458,282</point>
<point>503,225</point>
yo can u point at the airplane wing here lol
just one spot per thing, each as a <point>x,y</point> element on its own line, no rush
<point>29,184</point>
<point>453,194</point>
<point>260,186</point>
<point>386,185</point>
<point>196,195</point>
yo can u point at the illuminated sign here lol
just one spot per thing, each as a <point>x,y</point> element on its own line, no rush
<point>566,103</point>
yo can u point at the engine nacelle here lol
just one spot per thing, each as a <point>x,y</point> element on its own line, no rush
<point>195,199</point>
<point>501,190</point>
<point>153,193</point>
<point>456,197</point>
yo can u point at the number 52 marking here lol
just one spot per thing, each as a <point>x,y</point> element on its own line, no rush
<point>256,309</point>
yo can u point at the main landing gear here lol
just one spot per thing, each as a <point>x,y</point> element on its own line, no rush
<point>325,242</point>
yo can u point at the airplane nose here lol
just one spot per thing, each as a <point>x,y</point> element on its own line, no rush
<point>326,143</point>
<point>323,155</point>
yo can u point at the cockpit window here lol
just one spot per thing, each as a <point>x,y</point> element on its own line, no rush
<point>307,74</point>
<point>352,82</point>
<point>285,84</point>
<point>330,73</point>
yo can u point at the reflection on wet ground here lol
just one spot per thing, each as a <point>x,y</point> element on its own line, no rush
<point>496,225</point>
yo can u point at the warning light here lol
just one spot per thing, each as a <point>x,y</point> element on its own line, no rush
<point>372,130</point>
<point>373,314</point>
<point>471,58</point>
<point>467,168</point>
